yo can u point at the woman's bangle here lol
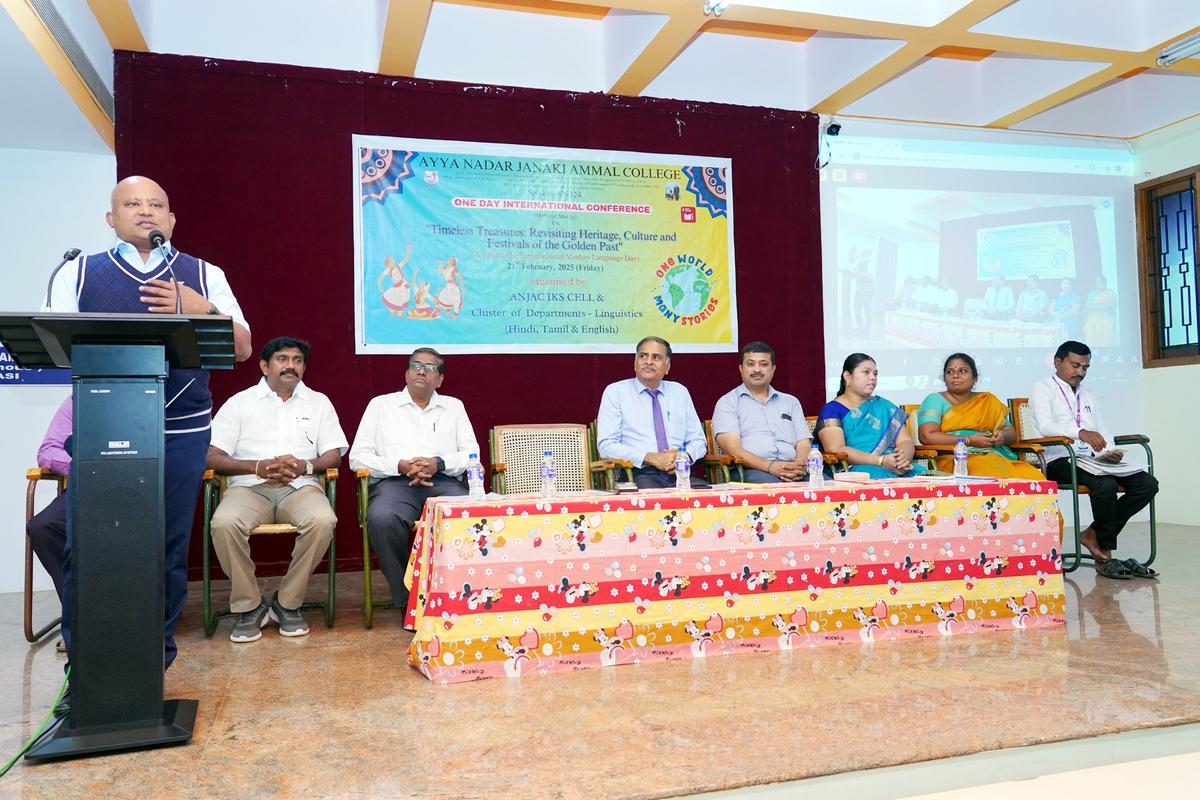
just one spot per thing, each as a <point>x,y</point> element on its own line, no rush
<point>769,465</point>
<point>256,463</point>
<point>880,461</point>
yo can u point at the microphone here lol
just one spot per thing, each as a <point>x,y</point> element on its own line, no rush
<point>157,239</point>
<point>70,255</point>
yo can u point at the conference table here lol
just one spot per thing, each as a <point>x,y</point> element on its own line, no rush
<point>520,585</point>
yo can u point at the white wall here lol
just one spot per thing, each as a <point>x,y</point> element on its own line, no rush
<point>49,202</point>
<point>1170,391</point>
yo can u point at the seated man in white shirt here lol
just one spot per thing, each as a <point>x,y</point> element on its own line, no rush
<point>1062,407</point>
<point>1033,302</point>
<point>274,440</point>
<point>416,444</point>
<point>647,420</point>
<point>998,300</point>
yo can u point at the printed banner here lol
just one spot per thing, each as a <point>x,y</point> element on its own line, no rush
<point>11,374</point>
<point>485,248</point>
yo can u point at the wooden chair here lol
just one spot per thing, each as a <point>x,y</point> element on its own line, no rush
<point>34,476</point>
<point>517,450</point>
<point>719,463</point>
<point>1023,423</point>
<point>606,472</point>
<point>362,479</point>
<point>214,488</point>
<point>929,452</point>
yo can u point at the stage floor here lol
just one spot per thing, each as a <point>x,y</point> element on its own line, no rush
<point>339,713</point>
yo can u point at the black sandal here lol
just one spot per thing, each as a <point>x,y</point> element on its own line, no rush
<point>1138,569</point>
<point>1111,568</point>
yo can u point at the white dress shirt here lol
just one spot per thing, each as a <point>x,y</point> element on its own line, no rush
<point>63,297</point>
<point>394,427</point>
<point>1060,411</point>
<point>257,424</point>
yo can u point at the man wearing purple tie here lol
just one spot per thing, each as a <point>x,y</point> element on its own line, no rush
<point>647,420</point>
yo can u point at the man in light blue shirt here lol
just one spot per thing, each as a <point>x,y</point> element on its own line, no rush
<point>647,420</point>
<point>763,428</point>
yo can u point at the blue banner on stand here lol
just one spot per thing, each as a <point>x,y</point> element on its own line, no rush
<point>11,374</point>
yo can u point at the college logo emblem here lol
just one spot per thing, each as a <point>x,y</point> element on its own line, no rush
<point>431,177</point>
<point>685,292</point>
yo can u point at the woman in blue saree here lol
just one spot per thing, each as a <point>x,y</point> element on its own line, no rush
<point>869,429</point>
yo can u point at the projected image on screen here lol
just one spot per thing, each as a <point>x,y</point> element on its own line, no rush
<point>919,268</point>
<point>939,241</point>
<point>1045,249</point>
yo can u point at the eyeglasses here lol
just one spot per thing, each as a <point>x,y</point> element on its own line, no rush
<point>418,366</point>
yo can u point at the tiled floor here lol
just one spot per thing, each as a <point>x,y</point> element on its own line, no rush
<point>340,714</point>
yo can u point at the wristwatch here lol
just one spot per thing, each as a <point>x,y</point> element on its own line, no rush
<point>308,468</point>
<point>441,465</point>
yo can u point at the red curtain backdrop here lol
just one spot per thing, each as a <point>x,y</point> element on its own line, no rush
<point>257,161</point>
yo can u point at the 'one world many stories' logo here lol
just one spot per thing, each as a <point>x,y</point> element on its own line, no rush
<point>685,290</point>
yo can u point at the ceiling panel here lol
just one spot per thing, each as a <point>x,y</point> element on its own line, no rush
<point>346,34</point>
<point>488,45</point>
<point>913,12</point>
<point>969,92</point>
<point>1114,24</point>
<point>1125,108</point>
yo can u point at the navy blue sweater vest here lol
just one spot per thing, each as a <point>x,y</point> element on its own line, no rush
<point>108,284</point>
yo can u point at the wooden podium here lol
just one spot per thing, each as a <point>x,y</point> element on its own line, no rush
<point>119,364</point>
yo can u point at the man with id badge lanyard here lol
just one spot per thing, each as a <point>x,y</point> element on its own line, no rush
<point>1062,407</point>
<point>274,440</point>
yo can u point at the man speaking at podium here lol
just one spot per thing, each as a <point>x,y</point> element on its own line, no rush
<point>139,274</point>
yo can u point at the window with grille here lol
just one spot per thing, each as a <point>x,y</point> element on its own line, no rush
<point>1167,266</point>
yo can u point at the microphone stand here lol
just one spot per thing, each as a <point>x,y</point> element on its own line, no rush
<point>160,242</point>
<point>70,255</point>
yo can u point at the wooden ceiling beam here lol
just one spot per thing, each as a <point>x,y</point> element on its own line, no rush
<point>34,29</point>
<point>119,24</point>
<point>403,34</point>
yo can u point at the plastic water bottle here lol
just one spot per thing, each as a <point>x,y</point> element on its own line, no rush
<point>549,473</point>
<point>683,472</point>
<point>960,458</point>
<point>475,490</point>
<point>816,467</point>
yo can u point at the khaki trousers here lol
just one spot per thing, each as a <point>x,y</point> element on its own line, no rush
<point>242,508</point>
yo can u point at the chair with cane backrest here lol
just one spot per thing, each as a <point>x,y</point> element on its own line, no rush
<point>214,488</point>
<point>1023,423</point>
<point>517,451</point>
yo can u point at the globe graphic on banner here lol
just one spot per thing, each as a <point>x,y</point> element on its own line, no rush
<point>688,289</point>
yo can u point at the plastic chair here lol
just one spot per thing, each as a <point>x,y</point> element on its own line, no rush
<point>1023,422</point>
<point>33,476</point>
<point>214,488</point>
<point>517,450</point>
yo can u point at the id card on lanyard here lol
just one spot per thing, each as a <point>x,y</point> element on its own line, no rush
<point>1081,446</point>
